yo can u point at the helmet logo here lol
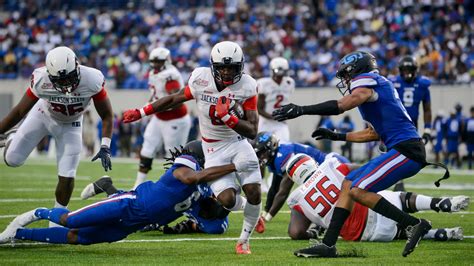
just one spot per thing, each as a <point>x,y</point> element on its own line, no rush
<point>264,138</point>
<point>353,57</point>
<point>227,60</point>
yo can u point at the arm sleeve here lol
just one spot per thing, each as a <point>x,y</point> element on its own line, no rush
<point>101,95</point>
<point>31,94</point>
<point>188,93</point>
<point>250,103</point>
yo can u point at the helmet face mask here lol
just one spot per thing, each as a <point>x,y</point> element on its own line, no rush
<point>63,69</point>
<point>227,63</point>
<point>408,68</point>
<point>279,67</point>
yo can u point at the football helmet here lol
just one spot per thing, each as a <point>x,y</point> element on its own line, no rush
<point>408,68</point>
<point>354,64</point>
<point>266,147</point>
<point>194,148</point>
<point>300,167</point>
<point>227,62</point>
<point>279,66</point>
<point>63,69</point>
<point>159,58</point>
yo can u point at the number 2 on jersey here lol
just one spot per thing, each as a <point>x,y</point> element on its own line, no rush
<point>325,199</point>
<point>279,99</point>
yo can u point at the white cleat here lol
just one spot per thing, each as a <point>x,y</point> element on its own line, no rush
<point>88,191</point>
<point>453,204</point>
<point>27,217</point>
<point>4,137</point>
<point>456,233</point>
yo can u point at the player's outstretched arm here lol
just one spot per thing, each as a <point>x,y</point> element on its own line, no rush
<point>104,109</point>
<point>333,107</point>
<point>364,135</point>
<point>159,105</point>
<point>189,176</point>
<point>280,198</point>
<point>18,112</point>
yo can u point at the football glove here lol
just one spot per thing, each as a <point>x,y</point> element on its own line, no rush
<point>288,111</point>
<point>222,107</point>
<point>131,115</point>
<point>426,136</point>
<point>104,155</point>
<point>324,133</point>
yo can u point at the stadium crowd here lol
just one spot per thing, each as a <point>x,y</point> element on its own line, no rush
<point>116,36</point>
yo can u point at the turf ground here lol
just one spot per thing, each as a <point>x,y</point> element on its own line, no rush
<point>32,185</point>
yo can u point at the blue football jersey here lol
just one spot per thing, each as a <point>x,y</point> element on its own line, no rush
<point>412,94</point>
<point>453,127</point>
<point>285,151</point>
<point>384,111</point>
<point>166,199</point>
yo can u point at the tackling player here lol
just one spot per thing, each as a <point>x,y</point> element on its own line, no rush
<point>115,218</point>
<point>413,89</point>
<point>223,133</point>
<point>379,105</point>
<point>320,184</point>
<point>54,104</point>
<point>171,127</point>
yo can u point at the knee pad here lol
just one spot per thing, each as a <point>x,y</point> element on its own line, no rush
<point>145,163</point>
<point>408,200</point>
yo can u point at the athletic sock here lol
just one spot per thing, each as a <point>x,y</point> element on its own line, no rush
<point>387,209</point>
<point>251,214</point>
<point>141,177</point>
<point>337,221</point>
<point>423,203</point>
<point>53,215</point>
<point>55,235</point>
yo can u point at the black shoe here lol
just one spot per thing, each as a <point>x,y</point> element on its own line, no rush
<point>399,187</point>
<point>318,250</point>
<point>415,234</point>
<point>183,227</point>
<point>151,227</point>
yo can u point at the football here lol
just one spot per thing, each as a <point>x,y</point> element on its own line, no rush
<point>236,109</point>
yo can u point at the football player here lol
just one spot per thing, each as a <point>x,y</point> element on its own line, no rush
<point>413,89</point>
<point>319,187</point>
<point>205,214</point>
<point>275,155</point>
<point>469,131</point>
<point>115,218</point>
<point>379,105</point>
<point>223,133</point>
<point>59,94</point>
<point>171,127</point>
<point>273,92</point>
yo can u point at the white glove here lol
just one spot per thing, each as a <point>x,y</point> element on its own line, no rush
<point>244,164</point>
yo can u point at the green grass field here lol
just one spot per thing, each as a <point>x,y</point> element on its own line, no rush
<point>33,184</point>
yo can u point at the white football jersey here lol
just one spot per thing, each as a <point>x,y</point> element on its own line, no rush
<point>157,81</point>
<point>317,197</point>
<point>67,107</point>
<point>204,91</point>
<point>276,94</point>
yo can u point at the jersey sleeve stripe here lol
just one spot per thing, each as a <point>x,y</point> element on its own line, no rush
<point>363,82</point>
<point>187,93</point>
<point>31,94</point>
<point>100,96</point>
<point>250,103</point>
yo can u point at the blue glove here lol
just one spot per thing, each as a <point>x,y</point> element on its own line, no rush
<point>104,155</point>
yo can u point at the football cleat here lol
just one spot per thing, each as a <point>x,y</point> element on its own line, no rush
<point>243,248</point>
<point>151,227</point>
<point>28,217</point>
<point>183,227</point>
<point>8,235</point>
<point>415,233</point>
<point>453,204</point>
<point>260,227</point>
<point>97,187</point>
<point>456,233</point>
<point>319,250</point>
<point>4,136</point>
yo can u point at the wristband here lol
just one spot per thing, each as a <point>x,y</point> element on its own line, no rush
<point>230,120</point>
<point>268,217</point>
<point>105,142</point>
<point>427,125</point>
<point>341,136</point>
<point>147,110</point>
<point>427,130</point>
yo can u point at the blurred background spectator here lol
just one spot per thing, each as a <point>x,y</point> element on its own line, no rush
<point>116,36</point>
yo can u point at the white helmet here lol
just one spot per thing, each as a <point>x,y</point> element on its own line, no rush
<point>63,69</point>
<point>160,54</point>
<point>227,55</point>
<point>279,66</point>
<point>300,167</point>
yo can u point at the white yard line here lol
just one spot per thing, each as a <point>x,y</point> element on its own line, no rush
<point>173,240</point>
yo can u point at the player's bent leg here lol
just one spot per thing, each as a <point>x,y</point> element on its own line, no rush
<point>103,184</point>
<point>298,227</point>
<point>143,169</point>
